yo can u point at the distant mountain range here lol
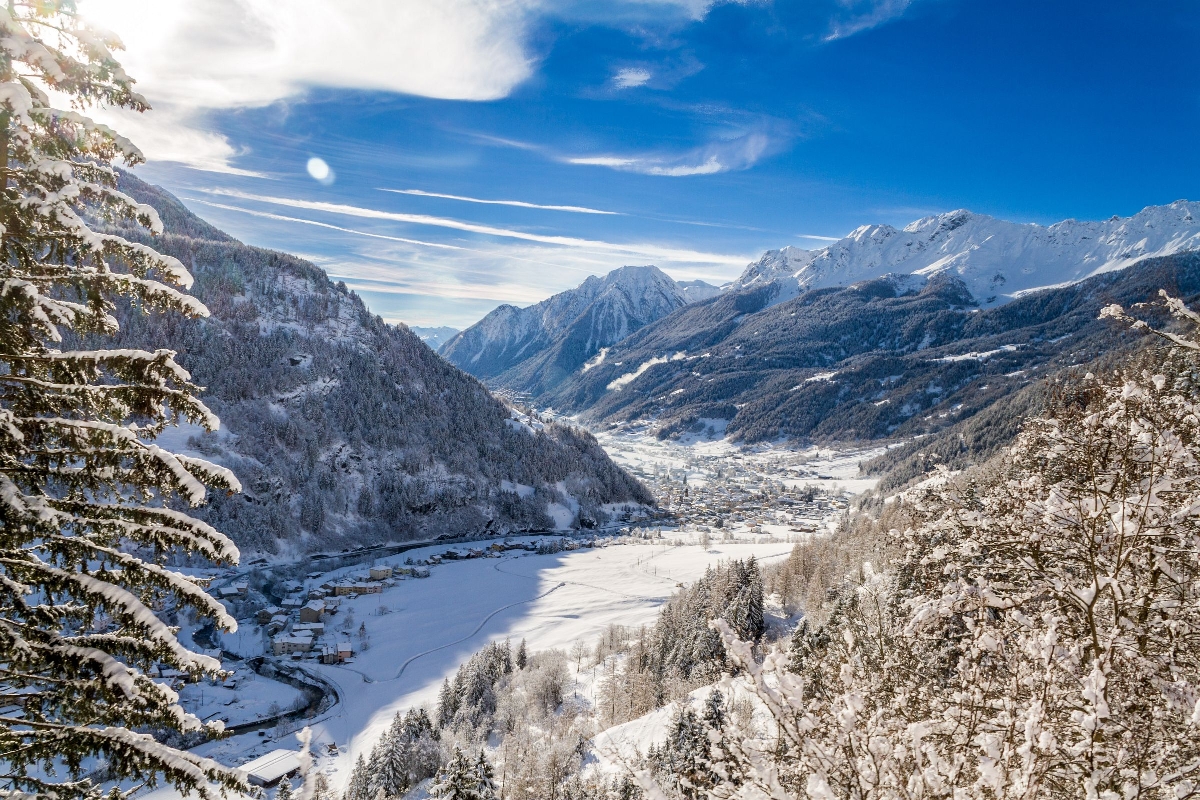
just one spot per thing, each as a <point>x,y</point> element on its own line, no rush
<point>531,350</point>
<point>434,337</point>
<point>885,333</point>
<point>345,430</point>
<point>998,261</point>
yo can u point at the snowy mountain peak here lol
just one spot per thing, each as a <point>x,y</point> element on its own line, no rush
<point>598,313</point>
<point>996,259</point>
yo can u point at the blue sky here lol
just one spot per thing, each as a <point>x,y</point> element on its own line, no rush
<point>706,132</point>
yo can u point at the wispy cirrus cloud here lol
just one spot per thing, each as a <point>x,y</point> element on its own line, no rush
<point>515,203</point>
<point>738,153</point>
<point>403,279</point>
<point>651,250</point>
<point>326,225</point>
<point>856,16</point>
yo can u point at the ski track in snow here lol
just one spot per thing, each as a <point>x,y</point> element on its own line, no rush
<point>479,627</point>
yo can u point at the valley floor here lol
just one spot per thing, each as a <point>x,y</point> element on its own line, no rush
<point>417,632</point>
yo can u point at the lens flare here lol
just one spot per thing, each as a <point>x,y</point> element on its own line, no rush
<point>319,170</point>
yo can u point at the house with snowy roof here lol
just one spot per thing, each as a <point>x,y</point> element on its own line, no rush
<point>269,770</point>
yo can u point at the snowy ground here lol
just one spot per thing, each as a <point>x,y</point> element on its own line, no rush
<point>420,630</point>
<point>246,697</point>
<point>432,625</point>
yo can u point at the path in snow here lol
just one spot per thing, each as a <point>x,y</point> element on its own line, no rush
<point>478,628</point>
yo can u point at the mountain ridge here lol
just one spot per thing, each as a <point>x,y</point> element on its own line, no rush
<point>996,259</point>
<point>891,357</point>
<point>530,349</point>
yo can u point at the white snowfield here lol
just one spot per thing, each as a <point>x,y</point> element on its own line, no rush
<point>997,260</point>
<point>432,625</point>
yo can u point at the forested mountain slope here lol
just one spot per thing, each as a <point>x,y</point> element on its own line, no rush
<point>533,349</point>
<point>895,356</point>
<point>343,429</point>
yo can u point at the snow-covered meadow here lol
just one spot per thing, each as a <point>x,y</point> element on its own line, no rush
<point>419,631</point>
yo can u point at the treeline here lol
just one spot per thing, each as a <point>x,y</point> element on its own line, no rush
<point>680,652</point>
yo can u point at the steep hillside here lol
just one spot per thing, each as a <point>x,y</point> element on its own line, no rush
<point>998,261</point>
<point>533,349</point>
<point>893,356</point>
<point>345,430</point>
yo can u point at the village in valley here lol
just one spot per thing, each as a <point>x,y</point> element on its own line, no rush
<point>311,631</point>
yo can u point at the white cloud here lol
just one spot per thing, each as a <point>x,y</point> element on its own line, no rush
<point>282,218</point>
<point>631,77</point>
<point>862,15</point>
<point>710,166</point>
<point>517,203</point>
<point>191,56</point>
<point>738,153</point>
<point>653,251</point>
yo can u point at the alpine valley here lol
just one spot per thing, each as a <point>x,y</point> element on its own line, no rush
<point>885,334</point>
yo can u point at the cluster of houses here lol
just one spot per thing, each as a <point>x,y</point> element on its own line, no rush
<point>491,551</point>
<point>744,492</point>
<point>297,625</point>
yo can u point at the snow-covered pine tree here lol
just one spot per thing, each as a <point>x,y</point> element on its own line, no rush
<point>485,778</point>
<point>447,705</point>
<point>422,750</point>
<point>284,792</point>
<point>522,656</point>
<point>359,787</point>
<point>755,614</point>
<point>392,766</point>
<point>457,780</point>
<point>683,760</point>
<point>85,493</point>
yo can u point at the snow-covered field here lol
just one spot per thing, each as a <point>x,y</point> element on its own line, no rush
<point>417,632</point>
<point>421,630</point>
<point>245,697</point>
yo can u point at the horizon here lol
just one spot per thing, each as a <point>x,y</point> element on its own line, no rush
<point>451,158</point>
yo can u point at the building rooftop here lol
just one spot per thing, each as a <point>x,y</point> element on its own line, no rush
<point>268,769</point>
